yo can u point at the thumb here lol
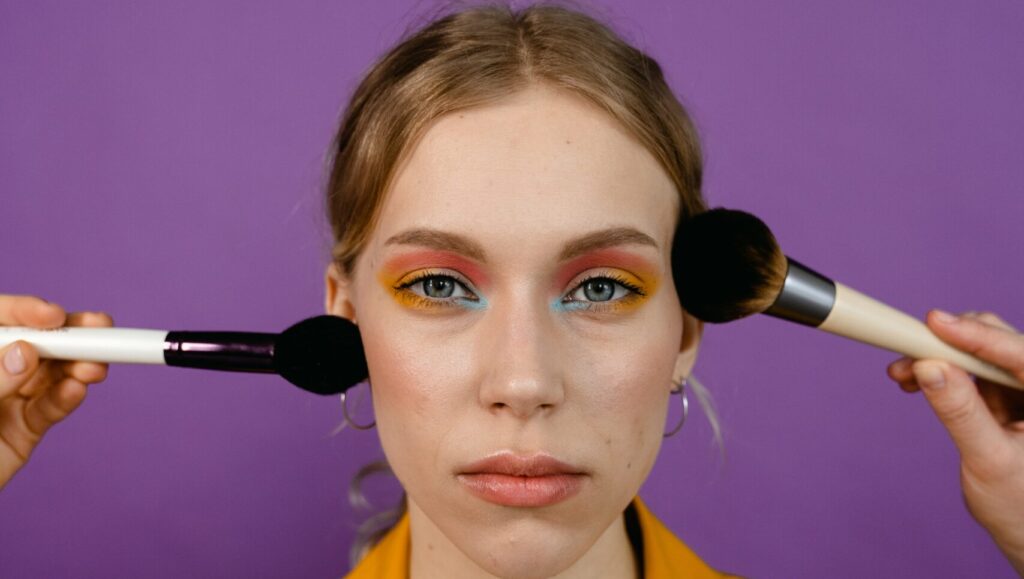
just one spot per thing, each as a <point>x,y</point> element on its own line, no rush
<point>995,343</point>
<point>16,363</point>
<point>957,403</point>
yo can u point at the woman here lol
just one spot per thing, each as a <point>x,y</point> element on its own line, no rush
<point>503,196</point>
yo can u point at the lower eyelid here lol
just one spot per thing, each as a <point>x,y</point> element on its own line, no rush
<point>403,290</point>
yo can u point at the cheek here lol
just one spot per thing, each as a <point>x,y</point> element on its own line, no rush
<point>413,393</point>
<point>629,386</point>
<point>634,406</point>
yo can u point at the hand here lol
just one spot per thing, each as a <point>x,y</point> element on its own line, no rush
<point>985,420</point>
<point>35,394</point>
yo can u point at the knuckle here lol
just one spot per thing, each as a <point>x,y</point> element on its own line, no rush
<point>52,413</point>
<point>99,373</point>
<point>990,317</point>
<point>958,414</point>
<point>960,408</point>
<point>987,319</point>
<point>92,318</point>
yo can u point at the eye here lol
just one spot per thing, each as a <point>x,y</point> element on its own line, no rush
<point>602,289</point>
<point>599,289</point>
<point>440,289</point>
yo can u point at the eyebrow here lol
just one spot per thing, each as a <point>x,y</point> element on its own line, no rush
<point>445,241</point>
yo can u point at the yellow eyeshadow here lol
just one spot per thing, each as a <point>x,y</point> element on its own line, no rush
<point>404,297</point>
<point>630,301</point>
<point>408,298</point>
<point>627,303</point>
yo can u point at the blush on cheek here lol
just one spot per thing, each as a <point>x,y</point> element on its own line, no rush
<point>416,377</point>
<point>394,378</point>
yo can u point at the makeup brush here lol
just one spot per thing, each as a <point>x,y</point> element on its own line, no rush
<point>727,265</point>
<point>322,354</point>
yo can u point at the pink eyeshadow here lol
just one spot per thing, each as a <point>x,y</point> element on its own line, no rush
<point>411,261</point>
<point>625,260</point>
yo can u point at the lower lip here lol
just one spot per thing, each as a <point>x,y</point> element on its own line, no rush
<point>523,491</point>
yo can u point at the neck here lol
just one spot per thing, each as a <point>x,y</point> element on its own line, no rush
<point>434,556</point>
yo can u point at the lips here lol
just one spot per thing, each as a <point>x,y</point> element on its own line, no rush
<point>513,480</point>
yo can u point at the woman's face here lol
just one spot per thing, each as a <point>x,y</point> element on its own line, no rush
<point>516,299</point>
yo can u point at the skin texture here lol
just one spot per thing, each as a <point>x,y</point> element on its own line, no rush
<point>527,359</point>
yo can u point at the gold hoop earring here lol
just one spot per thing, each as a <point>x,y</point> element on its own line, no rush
<point>681,391</point>
<point>348,419</point>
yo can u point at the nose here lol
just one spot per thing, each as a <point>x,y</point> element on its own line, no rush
<point>523,375</point>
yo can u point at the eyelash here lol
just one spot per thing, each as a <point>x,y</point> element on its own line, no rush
<point>423,300</point>
<point>633,290</point>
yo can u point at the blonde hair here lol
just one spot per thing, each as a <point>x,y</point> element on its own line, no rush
<point>478,56</point>
<point>472,57</point>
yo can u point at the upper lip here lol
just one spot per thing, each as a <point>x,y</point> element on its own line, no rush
<point>510,463</point>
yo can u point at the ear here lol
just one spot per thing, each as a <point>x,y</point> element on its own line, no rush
<point>693,329</point>
<point>339,293</point>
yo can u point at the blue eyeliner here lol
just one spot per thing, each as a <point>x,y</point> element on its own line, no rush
<point>479,304</point>
<point>572,306</point>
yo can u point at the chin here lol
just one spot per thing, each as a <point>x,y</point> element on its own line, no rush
<point>526,549</point>
<point>535,560</point>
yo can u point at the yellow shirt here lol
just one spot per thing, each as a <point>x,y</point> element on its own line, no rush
<point>664,555</point>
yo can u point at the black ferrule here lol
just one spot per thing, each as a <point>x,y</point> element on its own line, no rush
<point>806,298</point>
<point>232,351</point>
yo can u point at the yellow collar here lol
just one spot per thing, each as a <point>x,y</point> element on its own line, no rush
<point>665,556</point>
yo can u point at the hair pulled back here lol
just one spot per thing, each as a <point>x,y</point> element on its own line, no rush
<point>480,55</point>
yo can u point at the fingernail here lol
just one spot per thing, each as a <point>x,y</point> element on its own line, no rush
<point>14,361</point>
<point>945,317</point>
<point>930,377</point>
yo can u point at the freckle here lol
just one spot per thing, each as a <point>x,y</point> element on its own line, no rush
<point>608,442</point>
<point>568,142</point>
<point>629,465</point>
<point>430,546</point>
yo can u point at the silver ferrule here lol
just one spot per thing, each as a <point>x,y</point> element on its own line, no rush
<point>806,298</point>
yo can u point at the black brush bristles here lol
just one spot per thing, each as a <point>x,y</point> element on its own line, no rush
<point>323,355</point>
<point>726,265</point>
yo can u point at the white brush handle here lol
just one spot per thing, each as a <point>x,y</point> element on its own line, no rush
<point>865,319</point>
<point>117,345</point>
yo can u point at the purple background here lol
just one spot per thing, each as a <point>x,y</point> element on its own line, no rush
<point>162,161</point>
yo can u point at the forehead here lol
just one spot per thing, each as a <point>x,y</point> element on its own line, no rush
<point>542,164</point>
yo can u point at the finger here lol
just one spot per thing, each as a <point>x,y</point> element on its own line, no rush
<point>47,373</point>
<point>958,405</point>
<point>1001,347</point>
<point>899,370</point>
<point>90,319</point>
<point>87,372</point>
<point>53,371</point>
<point>54,405</point>
<point>991,319</point>
<point>30,311</point>
<point>998,403</point>
<point>909,386</point>
<point>17,364</point>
